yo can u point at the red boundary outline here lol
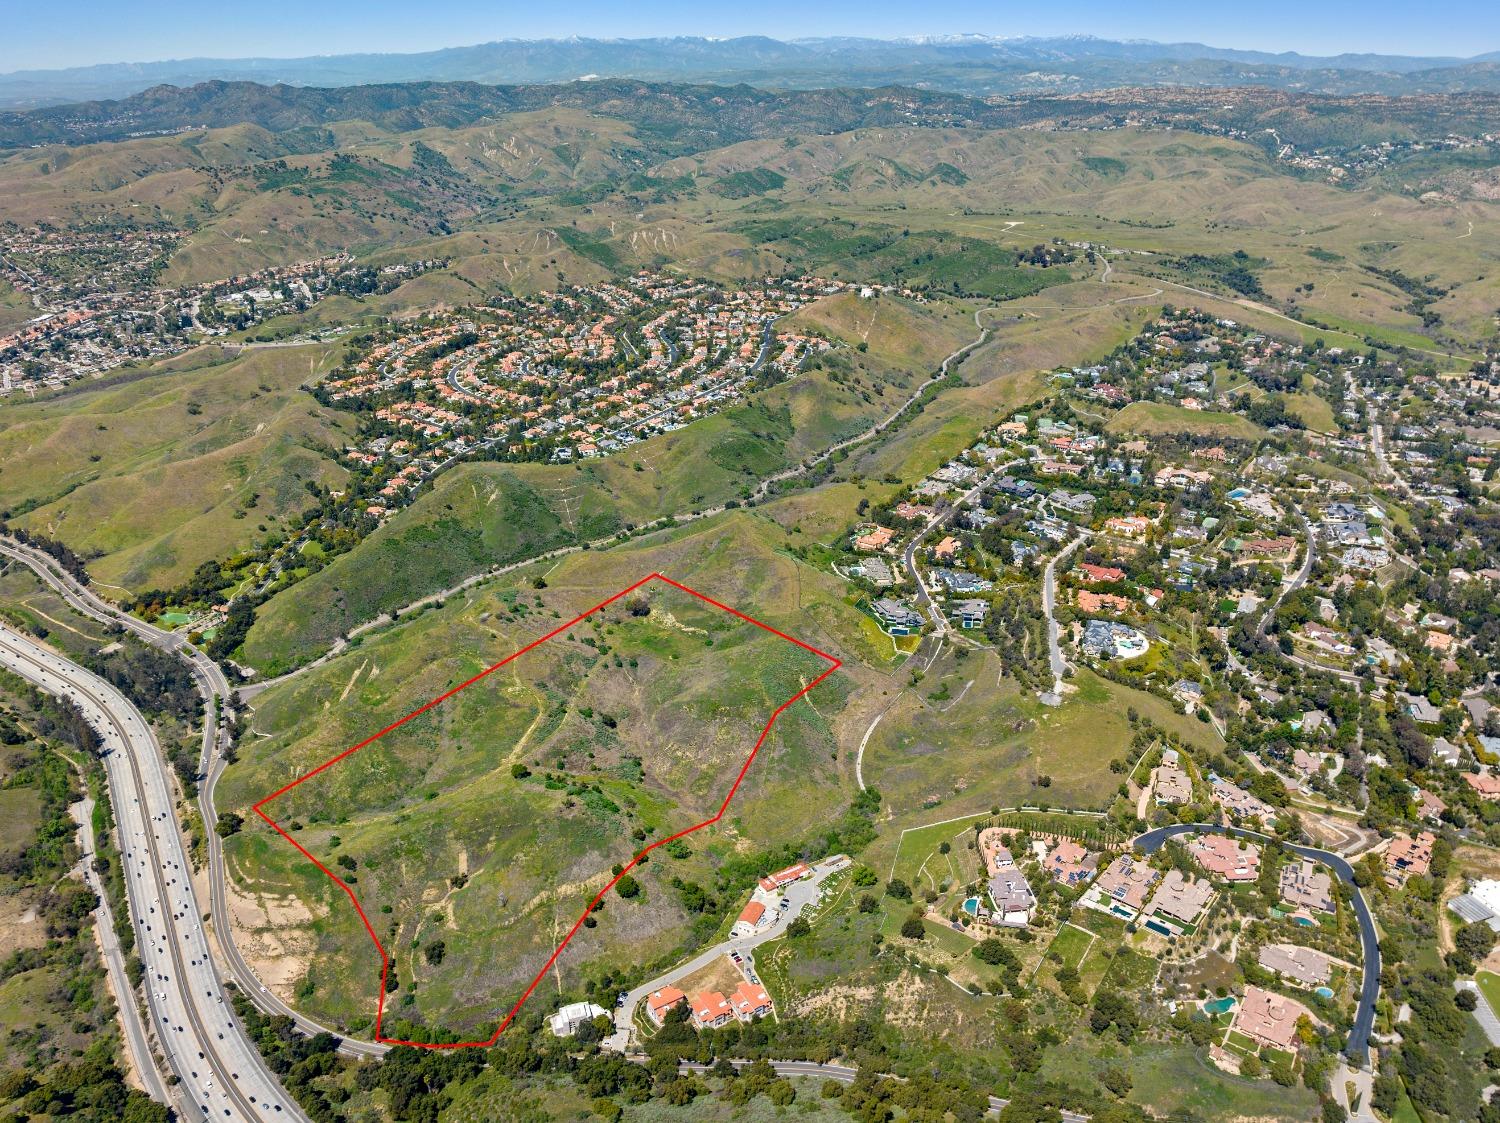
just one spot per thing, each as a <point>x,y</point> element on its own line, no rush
<point>385,963</point>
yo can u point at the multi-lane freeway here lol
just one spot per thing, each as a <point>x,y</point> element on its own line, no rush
<point>221,1074</point>
<point>215,691</point>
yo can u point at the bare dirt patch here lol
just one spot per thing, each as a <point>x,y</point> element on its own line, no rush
<point>274,935</point>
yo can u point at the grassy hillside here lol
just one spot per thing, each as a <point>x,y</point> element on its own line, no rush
<point>154,472</point>
<point>640,723</point>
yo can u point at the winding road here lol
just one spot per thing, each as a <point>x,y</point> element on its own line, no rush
<point>1049,609</point>
<point>1357,1047</point>
<point>220,1071</point>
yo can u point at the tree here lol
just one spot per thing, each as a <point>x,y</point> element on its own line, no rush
<point>229,823</point>
<point>993,951</point>
<point>1117,1080</point>
<point>1280,1068</point>
<point>1333,1112</point>
<point>628,887</point>
<point>912,928</point>
<point>1475,940</point>
<point>681,1091</point>
<point>798,927</point>
<point>435,951</point>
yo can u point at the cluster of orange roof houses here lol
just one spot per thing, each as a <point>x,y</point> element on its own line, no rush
<point>711,1009</point>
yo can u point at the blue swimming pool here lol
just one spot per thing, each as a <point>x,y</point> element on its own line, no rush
<point>1324,992</point>
<point>971,906</point>
<point>1219,1005</point>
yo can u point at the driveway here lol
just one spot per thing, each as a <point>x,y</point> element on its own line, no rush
<point>798,896</point>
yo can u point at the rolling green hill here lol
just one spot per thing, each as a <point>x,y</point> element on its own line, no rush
<point>630,729</point>
<point>155,471</point>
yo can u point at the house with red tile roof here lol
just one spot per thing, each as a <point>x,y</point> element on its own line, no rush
<point>750,1001</point>
<point>1094,603</point>
<point>782,878</point>
<point>750,919</point>
<point>1268,1018</point>
<point>1070,863</point>
<point>1408,856</point>
<point>1226,857</point>
<point>1486,783</point>
<point>659,1002</point>
<point>711,1010</point>
<point>1092,573</point>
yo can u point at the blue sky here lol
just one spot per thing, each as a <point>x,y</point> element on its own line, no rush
<point>79,32</point>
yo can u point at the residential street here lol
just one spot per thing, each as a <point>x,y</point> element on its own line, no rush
<point>1356,1048</point>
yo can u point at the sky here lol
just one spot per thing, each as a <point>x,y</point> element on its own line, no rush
<point>80,32</point>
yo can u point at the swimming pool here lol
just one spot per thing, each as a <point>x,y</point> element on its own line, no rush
<point>1324,992</point>
<point>1219,1005</point>
<point>971,906</point>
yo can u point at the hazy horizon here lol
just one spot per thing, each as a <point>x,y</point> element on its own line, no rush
<point>103,33</point>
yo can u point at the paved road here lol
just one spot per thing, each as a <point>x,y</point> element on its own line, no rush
<point>214,688</point>
<point>1298,579</point>
<point>845,1075</point>
<point>1377,446</point>
<point>1049,609</point>
<point>799,895</point>
<point>137,1040</point>
<point>221,1072</point>
<point>1356,1048</point>
<point>1484,1014</point>
<point>942,518</point>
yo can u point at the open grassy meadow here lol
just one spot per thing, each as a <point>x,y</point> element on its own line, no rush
<point>994,745</point>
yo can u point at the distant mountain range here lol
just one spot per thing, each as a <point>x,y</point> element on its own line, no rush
<point>967,64</point>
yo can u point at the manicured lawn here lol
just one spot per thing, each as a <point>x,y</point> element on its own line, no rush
<point>1489,986</point>
<point>1238,1042</point>
<point>920,844</point>
<point>1071,944</point>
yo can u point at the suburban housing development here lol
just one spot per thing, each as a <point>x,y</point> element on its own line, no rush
<point>740,577</point>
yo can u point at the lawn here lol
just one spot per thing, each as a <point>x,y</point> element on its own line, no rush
<point>1489,986</point>
<point>919,845</point>
<point>1163,417</point>
<point>1071,945</point>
